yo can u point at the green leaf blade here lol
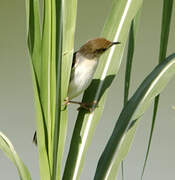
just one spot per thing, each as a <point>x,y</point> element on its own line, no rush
<point>67,32</point>
<point>34,44</point>
<point>165,28</point>
<point>7,147</point>
<point>115,29</point>
<point>34,34</point>
<point>123,133</point>
<point>130,54</point>
<point>57,26</point>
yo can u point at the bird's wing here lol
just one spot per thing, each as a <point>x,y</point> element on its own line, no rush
<point>74,61</point>
<point>74,64</point>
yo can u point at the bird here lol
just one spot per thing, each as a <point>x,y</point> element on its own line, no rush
<point>84,64</point>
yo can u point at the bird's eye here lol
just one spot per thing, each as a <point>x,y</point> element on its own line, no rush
<point>101,50</point>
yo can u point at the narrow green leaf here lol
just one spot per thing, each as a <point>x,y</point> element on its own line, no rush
<point>64,67</point>
<point>49,75</point>
<point>41,130</point>
<point>130,54</point>
<point>156,102</point>
<point>7,147</point>
<point>34,34</point>
<point>58,26</point>
<point>165,29</point>
<point>34,44</point>
<point>50,86</point>
<point>47,80</point>
<point>116,29</point>
<point>123,133</point>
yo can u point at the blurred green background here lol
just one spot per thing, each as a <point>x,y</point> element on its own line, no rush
<point>17,113</point>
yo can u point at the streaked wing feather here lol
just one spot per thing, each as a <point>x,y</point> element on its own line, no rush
<point>74,61</point>
<point>74,64</point>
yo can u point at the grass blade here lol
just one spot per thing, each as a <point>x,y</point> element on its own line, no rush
<point>68,32</point>
<point>123,133</point>
<point>7,147</point>
<point>156,102</point>
<point>50,85</point>
<point>34,34</point>
<point>165,29</point>
<point>56,15</point>
<point>48,74</point>
<point>115,29</point>
<point>166,20</point>
<point>130,54</point>
<point>34,44</point>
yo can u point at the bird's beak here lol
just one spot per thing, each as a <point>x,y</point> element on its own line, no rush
<point>113,43</point>
<point>116,43</point>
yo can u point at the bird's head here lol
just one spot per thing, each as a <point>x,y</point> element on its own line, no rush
<point>96,47</point>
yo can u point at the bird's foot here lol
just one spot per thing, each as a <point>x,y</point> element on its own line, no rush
<point>66,101</point>
<point>87,106</point>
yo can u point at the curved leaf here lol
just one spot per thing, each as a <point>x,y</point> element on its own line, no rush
<point>116,29</point>
<point>51,55</point>
<point>63,75</point>
<point>123,133</point>
<point>34,45</point>
<point>128,66</point>
<point>165,29</point>
<point>7,147</point>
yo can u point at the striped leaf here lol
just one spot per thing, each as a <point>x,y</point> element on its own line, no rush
<point>125,128</point>
<point>116,29</point>
<point>165,29</point>
<point>7,147</point>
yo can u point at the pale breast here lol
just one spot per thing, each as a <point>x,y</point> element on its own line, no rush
<point>81,77</point>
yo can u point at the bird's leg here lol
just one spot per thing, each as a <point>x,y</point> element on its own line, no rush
<point>67,101</point>
<point>87,106</point>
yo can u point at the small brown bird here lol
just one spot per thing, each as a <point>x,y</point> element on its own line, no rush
<point>84,65</point>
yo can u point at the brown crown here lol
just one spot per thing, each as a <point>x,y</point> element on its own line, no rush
<point>95,47</point>
<point>92,45</point>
